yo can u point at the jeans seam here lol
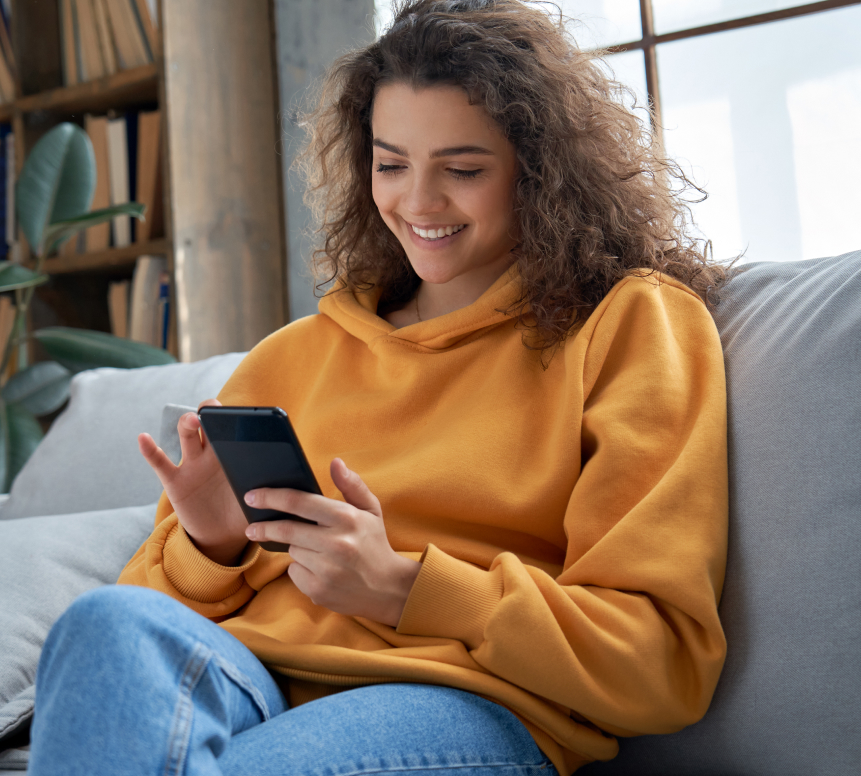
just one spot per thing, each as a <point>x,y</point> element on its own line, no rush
<point>183,714</point>
<point>409,768</point>
<point>245,683</point>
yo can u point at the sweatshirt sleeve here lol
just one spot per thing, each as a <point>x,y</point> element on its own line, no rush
<point>170,562</point>
<point>628,634</point>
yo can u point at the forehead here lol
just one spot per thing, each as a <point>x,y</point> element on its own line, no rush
<point>405,115</point>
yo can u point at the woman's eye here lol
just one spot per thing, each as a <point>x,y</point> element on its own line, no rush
<point>465,173</point>
<point>394,169</point>
<point>388,169</point>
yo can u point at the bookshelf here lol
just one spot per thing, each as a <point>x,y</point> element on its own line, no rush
<point>214,81</point>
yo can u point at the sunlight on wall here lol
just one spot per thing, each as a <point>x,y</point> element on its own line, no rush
<point>704,151</point>
<point>826,116</point>
<point>670,15</point>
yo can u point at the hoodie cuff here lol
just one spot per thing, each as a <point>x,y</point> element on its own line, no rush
<point>197,577</point>
<point>450,599</point>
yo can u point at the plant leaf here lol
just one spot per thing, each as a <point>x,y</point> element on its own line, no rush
<point>57,232</point>
<point>13,275</point>
<point>39,389</point>
<point>25,433</point>
<point>80,349</point>
<point>57,181</point>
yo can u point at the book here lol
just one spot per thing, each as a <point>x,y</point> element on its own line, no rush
<point>131,47</point>
<point>106,40</point>
<point>7,62</point>
<point>91,53</point>
<point>98,238</point>
<point>5,129</point>
<point>118,307</point>
<point>76,35</point>
<point>67,44</point>
<point>118,176</point>
<point>141,12</point>
<point>149,181</point>
<point>132,159</point>
<point>145,291</point>
<point>163,311</point>
<point>6,43</point>
<point>7,319</point>
<point>7,79</point>
<point>11,225</point>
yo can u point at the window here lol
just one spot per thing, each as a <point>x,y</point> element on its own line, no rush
<point>759,101</point>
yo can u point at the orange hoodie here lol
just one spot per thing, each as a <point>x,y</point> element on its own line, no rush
<point>571,523</point>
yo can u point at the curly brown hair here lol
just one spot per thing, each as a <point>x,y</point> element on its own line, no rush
<point>593,198</point>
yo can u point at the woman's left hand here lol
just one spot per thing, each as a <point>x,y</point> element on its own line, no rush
<point>344,563</point>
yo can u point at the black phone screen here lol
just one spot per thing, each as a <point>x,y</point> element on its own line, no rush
<point>257,448</point>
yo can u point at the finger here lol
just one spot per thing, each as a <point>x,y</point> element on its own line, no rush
<point>308,559</point>
<point>206,403</point>
<point>157,459</point>
<point>292,532</point>
<point>353,488</point>
<point>311,506</point>
<point>190,442</point>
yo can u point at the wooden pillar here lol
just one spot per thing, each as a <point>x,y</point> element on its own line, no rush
<point>224,174</point>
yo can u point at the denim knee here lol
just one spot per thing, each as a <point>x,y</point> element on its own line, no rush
<point>110,614</point>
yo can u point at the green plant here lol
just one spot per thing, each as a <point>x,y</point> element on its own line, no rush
<point>53,197</point>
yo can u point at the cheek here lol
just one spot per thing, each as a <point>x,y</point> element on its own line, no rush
<point>491,205</point>
<point>383,193</point>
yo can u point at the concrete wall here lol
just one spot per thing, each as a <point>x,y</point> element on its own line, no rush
<point>310,35</point>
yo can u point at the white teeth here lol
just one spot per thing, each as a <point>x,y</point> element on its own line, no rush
<point>436,234</point>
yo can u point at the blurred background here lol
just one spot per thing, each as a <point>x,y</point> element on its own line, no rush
<point>759,101</point>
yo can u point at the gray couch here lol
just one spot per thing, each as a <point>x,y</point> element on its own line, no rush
<point>789,699</point>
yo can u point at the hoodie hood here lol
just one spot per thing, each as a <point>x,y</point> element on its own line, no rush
<point>356,313</point>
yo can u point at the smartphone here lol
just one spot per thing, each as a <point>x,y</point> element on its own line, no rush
<point>257,448</point>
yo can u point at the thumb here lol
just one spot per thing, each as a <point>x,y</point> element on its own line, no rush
<point>353,488</point>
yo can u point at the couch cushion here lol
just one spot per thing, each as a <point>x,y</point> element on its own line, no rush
<point>89,458</point>
<point>168,436</point>
<point>45,563</point>
<point>789,698</point>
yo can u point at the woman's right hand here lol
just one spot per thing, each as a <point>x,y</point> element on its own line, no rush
<point>199,491</point>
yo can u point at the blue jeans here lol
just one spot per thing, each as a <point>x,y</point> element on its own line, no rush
<point>133,682</point>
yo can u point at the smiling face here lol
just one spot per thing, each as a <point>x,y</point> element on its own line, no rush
<point>442,164</point>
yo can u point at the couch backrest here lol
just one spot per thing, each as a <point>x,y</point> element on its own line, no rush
<point>789,698</point>
<point>89,459</point>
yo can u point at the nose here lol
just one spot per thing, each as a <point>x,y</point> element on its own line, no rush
<point>425,194</point>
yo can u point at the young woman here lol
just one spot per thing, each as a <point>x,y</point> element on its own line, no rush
<point>517,391</point>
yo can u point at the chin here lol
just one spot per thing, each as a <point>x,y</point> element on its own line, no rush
<point>429,272</point>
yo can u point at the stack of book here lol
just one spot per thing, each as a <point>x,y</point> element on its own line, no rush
<point>8,75</point>
<point>99,37</point>
<point>127,149</point>
<point>140,309</point>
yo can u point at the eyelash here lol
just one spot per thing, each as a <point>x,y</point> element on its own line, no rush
<point>392,169</point>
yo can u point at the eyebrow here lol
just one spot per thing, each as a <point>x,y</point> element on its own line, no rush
<point>454,151</point>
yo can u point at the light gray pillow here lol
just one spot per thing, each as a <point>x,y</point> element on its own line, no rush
<point>45,563</point>
<point>789,698</point>
<point>89,459</point>
<point>13,761</point>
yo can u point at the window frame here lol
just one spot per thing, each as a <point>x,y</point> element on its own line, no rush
<point>650,41</point>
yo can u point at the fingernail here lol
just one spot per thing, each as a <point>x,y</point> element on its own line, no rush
<point>253,532</point>
<point>250,497</point>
